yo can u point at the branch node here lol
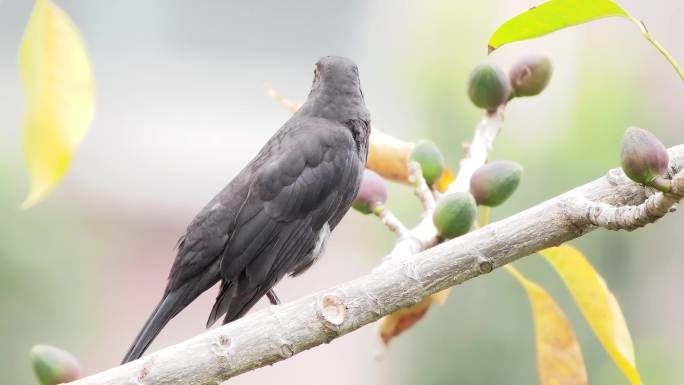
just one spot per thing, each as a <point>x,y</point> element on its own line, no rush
<point>219,351</point>
<point>224,340</point>
<point>484,265</point>
<point>220,347</point>
<point>286,351</point>
<point>145,370</point>
<point>332,311</point>
<point>409,270</point>
<point>613,176</point>
<point>631,218</point>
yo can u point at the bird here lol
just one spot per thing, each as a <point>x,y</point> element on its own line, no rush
<point>275,216</point>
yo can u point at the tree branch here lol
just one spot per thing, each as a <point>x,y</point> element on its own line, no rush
<point>278,332</point>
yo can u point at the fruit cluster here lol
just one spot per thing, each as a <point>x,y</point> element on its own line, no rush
<point>489,87</point>
<point>493,183</point>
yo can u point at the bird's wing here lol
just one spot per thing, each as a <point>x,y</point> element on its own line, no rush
<point>207,235</point>
<point>309,176</point>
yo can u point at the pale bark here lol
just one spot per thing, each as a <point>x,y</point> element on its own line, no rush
<point>279,332</point>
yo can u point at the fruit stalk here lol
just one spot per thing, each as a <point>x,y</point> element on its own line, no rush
<point>422,190</point>
<point>390,220</point>
<point>485,134</point>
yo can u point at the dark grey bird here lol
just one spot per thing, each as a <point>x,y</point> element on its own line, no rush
<point>274,217</point>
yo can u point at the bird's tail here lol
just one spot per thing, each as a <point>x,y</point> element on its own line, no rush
<point>170,305</point>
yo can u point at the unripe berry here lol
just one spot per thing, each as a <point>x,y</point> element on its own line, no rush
<point>644,158</point>
<point>454,214</point>
<point>488,87</point>
<point>53,365</point>
<point>530,75</point>
<point>430,159</point>
<point>372,192</point>
<point>495,182</point>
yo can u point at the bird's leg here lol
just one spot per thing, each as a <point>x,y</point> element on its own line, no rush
<point>272,297</point>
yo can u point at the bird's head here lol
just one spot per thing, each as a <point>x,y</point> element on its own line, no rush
<point>336,91</point>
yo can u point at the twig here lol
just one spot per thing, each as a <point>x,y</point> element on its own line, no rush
<point>478,149</point>
<point>633,217</point>
<point>422,190</point>
<point>390,220</point>
<point>651,39</point>
<point>289,104</point>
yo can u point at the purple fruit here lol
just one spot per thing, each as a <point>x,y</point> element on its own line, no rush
<point>530,75</point>
<point>372,192</point>
<point>644,158</point>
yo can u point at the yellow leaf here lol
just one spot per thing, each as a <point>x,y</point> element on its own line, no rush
<point>58,82</point>
<point>396,323</point>
<point>559,359</point>
<point>598,305</point>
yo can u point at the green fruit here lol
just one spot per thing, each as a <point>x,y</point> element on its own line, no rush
<point>372,192</point>
<point>644,158</point>
<point>454,214</point>
<point>530,75</point>
<point>495,182</point>
<point>430,159</point>
<point>53,365</point>
<point>488,87</point>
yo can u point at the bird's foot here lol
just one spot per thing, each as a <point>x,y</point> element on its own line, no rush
<point>272,297</point>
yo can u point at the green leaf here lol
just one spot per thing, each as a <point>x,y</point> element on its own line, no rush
<point>552,16</point>
<point>558,14</point>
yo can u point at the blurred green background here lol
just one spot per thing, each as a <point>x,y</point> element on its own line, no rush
<point>182,107</point>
